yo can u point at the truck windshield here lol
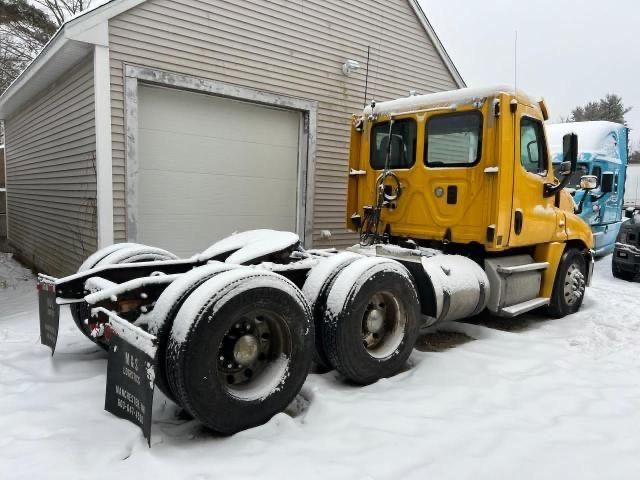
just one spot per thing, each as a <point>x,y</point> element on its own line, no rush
<point>574,182</point>
<point>403,144</point>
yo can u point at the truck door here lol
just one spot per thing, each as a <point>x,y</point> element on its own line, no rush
<point>533,216</point>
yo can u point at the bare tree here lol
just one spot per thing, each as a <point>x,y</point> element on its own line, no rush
<point>26,27</point>
<point>61,10</point>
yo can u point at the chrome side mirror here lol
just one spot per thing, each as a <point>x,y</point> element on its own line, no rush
<point>588,182</point>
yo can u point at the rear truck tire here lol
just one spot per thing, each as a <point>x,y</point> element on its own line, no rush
<point>160,320</point>
<point>316,289</point>
<point>240,349</point>
<point>371,321</point>
<point>621,274</point>
<point>112,255</point>
<point>569,285</point>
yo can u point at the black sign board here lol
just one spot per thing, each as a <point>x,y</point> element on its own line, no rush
<point>49,312</point>
<point>130,384</point>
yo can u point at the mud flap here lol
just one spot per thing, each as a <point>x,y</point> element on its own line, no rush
<point>49,312</point>
<point>591,262</point>
<point>130,373</point>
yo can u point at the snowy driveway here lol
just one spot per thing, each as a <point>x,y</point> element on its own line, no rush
<point>531,398</point>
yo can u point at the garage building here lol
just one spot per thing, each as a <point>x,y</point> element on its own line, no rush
<point>175,123</point>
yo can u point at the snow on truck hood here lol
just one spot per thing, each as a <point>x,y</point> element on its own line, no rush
<point>450,98</point>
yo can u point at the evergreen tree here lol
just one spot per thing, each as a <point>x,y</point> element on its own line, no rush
<point>609,108</point>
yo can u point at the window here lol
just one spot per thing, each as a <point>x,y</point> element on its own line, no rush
<point>533,151</point>
<point>403,144</point>
<point>597,172</point>
<point>454,140</point>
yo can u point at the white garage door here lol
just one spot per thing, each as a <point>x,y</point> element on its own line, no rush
<point>210,166</point>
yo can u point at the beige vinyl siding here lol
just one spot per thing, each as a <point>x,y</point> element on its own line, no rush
<point>294,48</point>
<point>51,181</point>
<point>3,198</point>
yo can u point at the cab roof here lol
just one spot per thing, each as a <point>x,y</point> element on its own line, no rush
<point>448,99</point>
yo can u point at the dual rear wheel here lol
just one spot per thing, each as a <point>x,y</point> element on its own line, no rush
<point>235,344</point>
<point>366,319</point>
<point>240,342</point>
<point>240,349</point>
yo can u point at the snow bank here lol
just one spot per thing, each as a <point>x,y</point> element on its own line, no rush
<point>12,274</point>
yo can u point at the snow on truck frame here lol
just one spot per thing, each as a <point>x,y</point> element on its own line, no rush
<point>458,211</point>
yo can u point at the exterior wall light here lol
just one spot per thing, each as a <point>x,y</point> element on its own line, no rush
<point>351,66</point>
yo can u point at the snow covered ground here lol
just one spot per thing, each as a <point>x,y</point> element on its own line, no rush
<point>530,398</point>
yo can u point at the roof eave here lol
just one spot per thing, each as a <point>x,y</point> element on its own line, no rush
<point>73,40</point>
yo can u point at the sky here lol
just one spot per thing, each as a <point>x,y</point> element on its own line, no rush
<point>569,52</point>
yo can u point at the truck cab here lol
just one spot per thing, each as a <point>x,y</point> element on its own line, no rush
<point>602,154</point>
<point>468,172</point>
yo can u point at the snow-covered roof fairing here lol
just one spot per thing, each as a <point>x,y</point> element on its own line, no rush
<point>453,98</point>
<point>597,138</point>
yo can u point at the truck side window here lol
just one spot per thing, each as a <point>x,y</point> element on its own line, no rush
<point>403,144</point>
<point>453,140</point>
<point>533,151</point>
<point>597,172</point>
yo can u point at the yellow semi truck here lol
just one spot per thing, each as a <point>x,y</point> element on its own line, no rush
<point>458,210</point>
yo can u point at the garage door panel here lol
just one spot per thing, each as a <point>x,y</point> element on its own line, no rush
<point>216,195</point>
<point>209,166</point>
<point>192,153</point>
<point>169,230</point>
<point>243,121</point>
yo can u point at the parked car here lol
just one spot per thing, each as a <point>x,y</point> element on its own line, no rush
<point>626,256</point>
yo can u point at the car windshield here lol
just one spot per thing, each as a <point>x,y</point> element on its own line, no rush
<point>574,182</point>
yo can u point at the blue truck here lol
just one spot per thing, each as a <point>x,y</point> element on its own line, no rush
<point>603,154</point>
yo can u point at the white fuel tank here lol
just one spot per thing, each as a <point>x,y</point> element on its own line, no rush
<point>460,287</point>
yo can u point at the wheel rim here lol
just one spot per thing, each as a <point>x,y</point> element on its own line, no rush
<point>574,284</point>
<point>383,325</point>
<point>254,354</point>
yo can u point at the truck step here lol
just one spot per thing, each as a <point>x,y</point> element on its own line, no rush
<point>528,267</point>
<point>520,308</point>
